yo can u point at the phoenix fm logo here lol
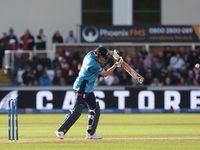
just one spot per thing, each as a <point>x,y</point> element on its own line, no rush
<point>90,33</point>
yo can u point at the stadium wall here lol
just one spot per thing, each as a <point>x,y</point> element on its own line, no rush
<point>65,15</point>
<point>51,15</point>
<point>180,12</point>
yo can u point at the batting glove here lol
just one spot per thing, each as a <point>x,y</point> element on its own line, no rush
<point>115,54</point>
<point>119,61</point>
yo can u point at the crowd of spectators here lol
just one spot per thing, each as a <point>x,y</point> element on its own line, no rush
<point>29,42</point>
<point>163,67</point>
<point>65,66</point>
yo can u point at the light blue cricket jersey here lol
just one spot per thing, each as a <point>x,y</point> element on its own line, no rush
<point>88,74</point>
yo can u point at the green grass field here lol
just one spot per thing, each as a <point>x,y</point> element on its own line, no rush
<point>120,132</point>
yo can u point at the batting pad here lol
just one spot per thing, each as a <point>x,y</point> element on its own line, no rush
<point>96,119</point>
<point>75,114</point>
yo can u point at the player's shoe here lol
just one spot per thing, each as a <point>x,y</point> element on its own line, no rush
<point>94,136</point>
<point>60,134</point>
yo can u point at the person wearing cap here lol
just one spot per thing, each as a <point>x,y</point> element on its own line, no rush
<point>12,36</point>
<point>92,66</point>
<point>12,44</point>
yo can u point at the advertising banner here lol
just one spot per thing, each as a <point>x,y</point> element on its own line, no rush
<point>137,34</point>
<point>128,99</point>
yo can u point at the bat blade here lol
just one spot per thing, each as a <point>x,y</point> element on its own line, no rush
<point>132,72</point>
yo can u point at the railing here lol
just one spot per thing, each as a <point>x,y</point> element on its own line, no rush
<point>147,45</point>
<point>9,56</point>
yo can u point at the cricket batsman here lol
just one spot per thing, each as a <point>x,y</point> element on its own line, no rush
<point>92,66</point>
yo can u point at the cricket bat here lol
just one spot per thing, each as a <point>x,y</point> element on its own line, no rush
<point>132,72</point>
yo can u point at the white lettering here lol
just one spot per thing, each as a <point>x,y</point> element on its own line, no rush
<point>156,30</point>
<point>114,33</point>
<point>150,100</point>
<point>173,30</point>
<point>195,99</point>
<point>100,94</point>
<point>121,98</point>
<point>187,30</point>
<point>39,100</point>
<point>172,99</point>
<point>69,101</point>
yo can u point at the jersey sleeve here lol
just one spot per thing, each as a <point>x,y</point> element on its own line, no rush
<point>96,68</point>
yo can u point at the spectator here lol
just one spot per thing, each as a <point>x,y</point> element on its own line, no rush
<point>35,82</point>
<point>158,70</point>
<point>57,77</point>
<point>186,60</point>
<point>197,60</point>
<point>148,61</point>
<point>4,42</point>
<point>163,76</point>
<point>134,58</point>
<point>182,51</point>
<point>74,66</point>
<point>32,61</point>
<point>149,77</point>
<point>125,79</point>
<point>167,81</point>
<point>189,80</point>
<point>79,66</point>
<point>12,44</point>
<point>140,66</point>
<point>79,54</point>
<point>45,80</point>
<point>127,59</point>
<point>12,36</point>
<point>65,71</point>
<point>109,80</point>
<point>78,69</point>
<point>56,62</point>
<point>195,82</point>
<point>169,71</point>
<point>67,54</point>
<point>196,72</point>
<point>155,82</point>
<point>192,58</point>
<point>71,77</point>
<point>57,38</point>
<point>183,71</point>
<point>71,38</point>
<point>176,61</point>
<point>62,81</point>
<point>27,41</point>
<point>28,76</point>
<point>160,58</point>
<point>19,61</point>
<point>45,62</point>
<point>168,53</point>
<point>61,61</point>
<point>41,41</point>
<point>143,53</point>
<point>3,46</point>
<point>39,71</point>
<point>182,81</point>
<point>175,77</point>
